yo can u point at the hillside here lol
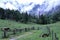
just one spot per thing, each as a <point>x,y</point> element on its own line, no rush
<point>33,34</point>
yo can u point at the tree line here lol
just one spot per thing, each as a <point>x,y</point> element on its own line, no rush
<point>24,17</point>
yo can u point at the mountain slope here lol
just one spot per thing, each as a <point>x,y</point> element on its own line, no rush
<point>37,6</point>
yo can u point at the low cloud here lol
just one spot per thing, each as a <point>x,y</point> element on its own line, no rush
<point>27,5</point>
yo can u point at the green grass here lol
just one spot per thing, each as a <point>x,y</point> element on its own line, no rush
<point>13,24</point>
<point>35,34</point>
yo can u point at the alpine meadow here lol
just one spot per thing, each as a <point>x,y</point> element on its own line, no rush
<point>29,19</point>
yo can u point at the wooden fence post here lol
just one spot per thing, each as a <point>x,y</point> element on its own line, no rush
<point>52,35</point>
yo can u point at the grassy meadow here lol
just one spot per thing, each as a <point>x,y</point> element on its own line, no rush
<point>30,35</point>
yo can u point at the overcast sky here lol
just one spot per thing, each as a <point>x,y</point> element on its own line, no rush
<point>26,5</point>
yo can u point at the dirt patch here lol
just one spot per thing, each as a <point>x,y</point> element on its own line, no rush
<point>26,34</point>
